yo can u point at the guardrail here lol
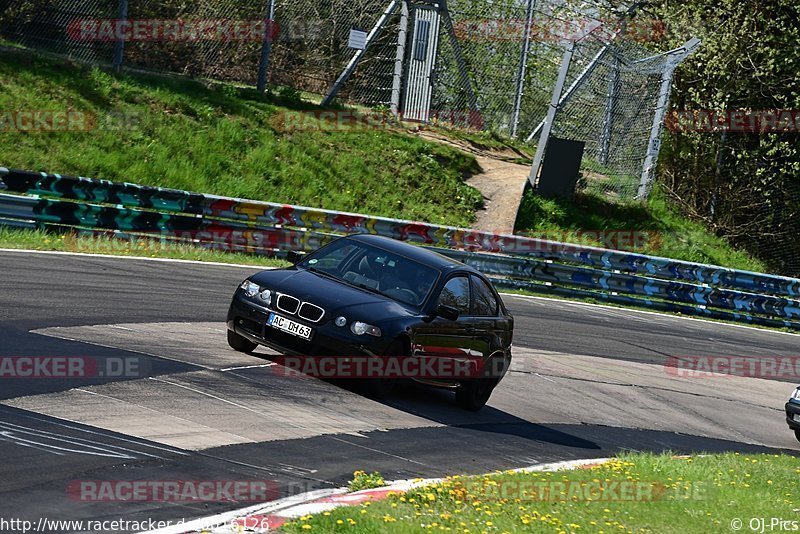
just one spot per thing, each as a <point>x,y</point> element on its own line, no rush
<point>131,211</point>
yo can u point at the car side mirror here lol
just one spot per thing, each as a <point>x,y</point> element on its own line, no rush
<point>294,257</point>
<point>447,312</point>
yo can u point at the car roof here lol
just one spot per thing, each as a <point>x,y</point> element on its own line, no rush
<point>417,253</point>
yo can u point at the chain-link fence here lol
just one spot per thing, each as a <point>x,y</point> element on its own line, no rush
<point>614,102</point>
<point>489,65</point>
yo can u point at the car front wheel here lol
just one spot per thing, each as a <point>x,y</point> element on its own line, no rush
<point>381,387</point>
<point>797,434</point>
<point>240,343</point>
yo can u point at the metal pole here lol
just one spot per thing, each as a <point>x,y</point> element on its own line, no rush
<point>266,48</point>
<point>715,192</point>
<point>462,64</point>
<point>358,56</point>
<point>523,67</point>
<point>608,121</point>
<point>400,57</point>
<point>119,44</point>
<point>551,114</point>
<point>654,146</point>
<point>574,87</point>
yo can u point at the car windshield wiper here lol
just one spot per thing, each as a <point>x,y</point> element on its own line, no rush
<point>368,288</point>
<point>321,272</point>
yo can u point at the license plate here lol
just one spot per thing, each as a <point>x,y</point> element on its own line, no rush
<point>289,326</point>
<point>796,417</point>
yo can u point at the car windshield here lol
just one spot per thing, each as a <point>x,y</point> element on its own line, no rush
<point>374,269</point>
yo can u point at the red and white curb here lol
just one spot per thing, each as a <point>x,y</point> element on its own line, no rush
<point>270,516</point>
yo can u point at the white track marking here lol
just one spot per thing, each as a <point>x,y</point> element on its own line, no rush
<point>174,450</point>
<point>247,367</point>
<point>138,258</point>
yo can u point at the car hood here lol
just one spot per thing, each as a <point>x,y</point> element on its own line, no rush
<point>336,298</point>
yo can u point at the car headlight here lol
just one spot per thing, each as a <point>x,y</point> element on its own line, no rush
<point>251,289</point>
<point>359,329</point>
<point>796,394</point>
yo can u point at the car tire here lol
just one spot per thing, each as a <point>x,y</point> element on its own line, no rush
<point>380,388</point>
<point>240,343</point>
<point>473,395</point>
<point>797,434</point>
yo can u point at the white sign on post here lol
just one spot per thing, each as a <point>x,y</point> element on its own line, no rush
<point>358,39</point>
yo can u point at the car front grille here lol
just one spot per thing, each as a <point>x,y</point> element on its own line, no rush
<point>287,304</point>
<point>310,312</point>
<point>294,306</point>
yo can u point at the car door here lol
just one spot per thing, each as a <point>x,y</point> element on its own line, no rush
<point>441,339</point>
<point>490,325</point>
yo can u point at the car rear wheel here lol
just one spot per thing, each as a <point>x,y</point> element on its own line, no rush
<point>240,343</point>
<point>473,395</point>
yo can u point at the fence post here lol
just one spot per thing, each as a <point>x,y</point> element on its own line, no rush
<point>266,47</point>
<point>400,58</point>
<point>674,58</point>
<point>611,100</point>
<point>447,20</point>
<point>119,44</point>
<point>523,67</point>
<point>574,87</point>
<point>551,113</point>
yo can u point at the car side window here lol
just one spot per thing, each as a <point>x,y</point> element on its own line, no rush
<point>456,294</point>
<point>484,303</point>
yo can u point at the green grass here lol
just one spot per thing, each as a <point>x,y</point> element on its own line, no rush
<point>645,493</point>
<point>13,238</point>
<point>226,140</point>
<point>669,233</point>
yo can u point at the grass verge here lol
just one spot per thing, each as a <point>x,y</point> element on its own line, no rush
<point>220,139</point>
<point>632,493</point>
<point>664,231</point>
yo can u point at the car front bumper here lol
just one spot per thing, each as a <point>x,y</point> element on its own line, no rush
<point>249,319</point>
<point>793,415</point>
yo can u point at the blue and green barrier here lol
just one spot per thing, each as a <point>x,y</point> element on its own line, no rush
<point>272,214</point>
<point>131,211</point>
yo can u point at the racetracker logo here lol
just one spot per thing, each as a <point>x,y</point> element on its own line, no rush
<point>457,367</point>
<point>109,30</point>
<point>769,367</point>
<point>560,29</point>
<point>26,367</point>
<point>741,121</point>
<point>551,241</point>
<point>596,490</point>
<point>174,491</point>
<point>345,120</point>
<point>65,121</point>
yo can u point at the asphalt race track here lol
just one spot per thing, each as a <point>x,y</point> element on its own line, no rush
<point>587,381</point>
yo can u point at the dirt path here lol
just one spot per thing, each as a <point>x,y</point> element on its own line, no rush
<point>501,183</point>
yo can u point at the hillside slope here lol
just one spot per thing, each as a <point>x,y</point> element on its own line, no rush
<point>223,140</point>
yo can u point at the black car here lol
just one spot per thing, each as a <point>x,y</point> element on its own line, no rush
<point>364,297</point>
<point>793,412</point>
